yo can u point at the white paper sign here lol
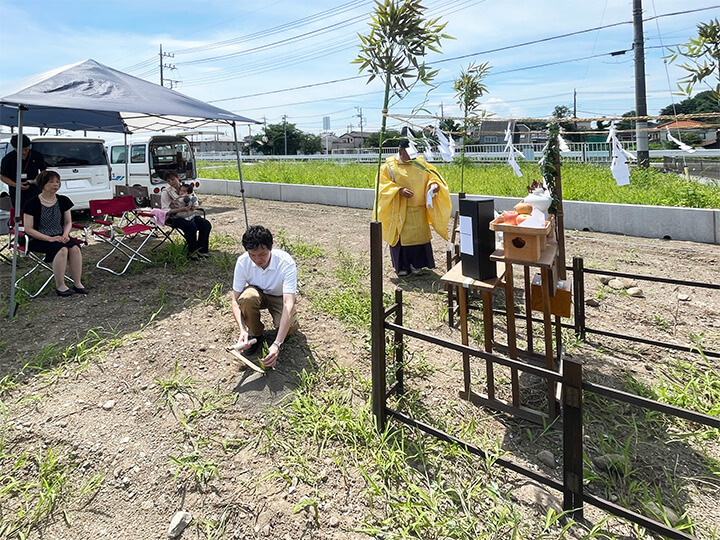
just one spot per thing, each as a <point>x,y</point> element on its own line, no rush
<point>466,236</point>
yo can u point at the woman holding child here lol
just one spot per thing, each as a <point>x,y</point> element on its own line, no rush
<point>195,228</point>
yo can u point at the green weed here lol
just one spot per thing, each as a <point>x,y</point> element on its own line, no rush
<point>690,385</point>
<point>217,297</point>
<point>350,300</point>
<point>222,240</point>
<point>298,248</point>
<point>660,323</point>
<point>195,466</point>
<point>36,487</point>
<point>172,387</point>
<point>172,255</point>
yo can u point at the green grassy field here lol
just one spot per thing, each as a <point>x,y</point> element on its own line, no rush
<point>580,182</point>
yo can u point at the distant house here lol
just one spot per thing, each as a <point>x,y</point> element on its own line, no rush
<point>706,132</point>
<point>351,139</point>
<point>329,142</point>
<point>493,132</point>
<point>210,141</point>
<point>713,144</point>
<point>488,132</point>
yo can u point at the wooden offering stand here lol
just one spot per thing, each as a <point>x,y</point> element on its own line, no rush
<point>529,248</point>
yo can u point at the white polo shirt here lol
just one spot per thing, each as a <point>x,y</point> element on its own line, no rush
<point>280,276</point>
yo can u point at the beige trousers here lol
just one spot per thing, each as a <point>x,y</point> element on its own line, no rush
<point>252,300</point>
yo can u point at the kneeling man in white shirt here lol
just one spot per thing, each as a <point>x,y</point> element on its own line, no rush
<point>265,278</point>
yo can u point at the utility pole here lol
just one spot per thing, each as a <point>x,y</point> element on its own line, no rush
<point>575,126</point>
<point>361,119</point>
<point>641,134</point>
<point>164,65</point>
<point>574,103</point>
<point>285,131</point>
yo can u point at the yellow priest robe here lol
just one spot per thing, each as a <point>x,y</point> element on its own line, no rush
<point>409,220</point>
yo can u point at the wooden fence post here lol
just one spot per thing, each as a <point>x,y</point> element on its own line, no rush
<point>572,438</point>
<point>377,326</point>
<point>579,296</point>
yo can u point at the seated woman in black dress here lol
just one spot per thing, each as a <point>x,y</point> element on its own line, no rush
<point>195,229</point>
<point>48,223</point>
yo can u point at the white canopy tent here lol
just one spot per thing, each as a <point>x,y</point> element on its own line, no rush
<point>92,97</point>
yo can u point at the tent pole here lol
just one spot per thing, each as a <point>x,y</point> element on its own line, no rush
<point>242,186</point>
<point>127,160</point>
<point>17,210</point>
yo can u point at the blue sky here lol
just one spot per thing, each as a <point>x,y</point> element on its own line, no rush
<point>266,60</point>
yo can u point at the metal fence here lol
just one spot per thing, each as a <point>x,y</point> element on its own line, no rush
<point>705,168</point>
<point>572,396</point>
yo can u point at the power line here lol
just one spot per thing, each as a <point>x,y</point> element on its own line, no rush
<point>570,34</point>
<point>335,81</point>
<point>278,29</point>
<point>316,51</point>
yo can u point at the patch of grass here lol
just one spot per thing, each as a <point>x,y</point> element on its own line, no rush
<point>660,323</point>
<point>194,465</point>
<point>175,385</point>
<point>298,248</point>
<point>690,385</point>
<point>581,182</point>
<point>36,486</point>
<point>225,262</point>
<point>217,297</point>
<point>416,486</point>
<point>53,361</point>
<point>349,301</point>
<point>170,254</point>
<point>222,240</point>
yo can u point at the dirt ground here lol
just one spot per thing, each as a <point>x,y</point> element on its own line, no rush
<point>107,416</point>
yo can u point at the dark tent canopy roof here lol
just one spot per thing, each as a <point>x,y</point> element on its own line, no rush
<point>93,97</point>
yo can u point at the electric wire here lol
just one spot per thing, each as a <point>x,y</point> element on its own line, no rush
<point>667,75</point>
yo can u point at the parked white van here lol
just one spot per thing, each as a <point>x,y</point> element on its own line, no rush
<point>82,164</point>
<point>150,157</point>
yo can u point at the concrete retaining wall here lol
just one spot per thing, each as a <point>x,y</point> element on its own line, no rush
<point>693,224</point>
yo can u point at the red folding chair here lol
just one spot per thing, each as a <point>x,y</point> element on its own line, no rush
<point>118,235</point>
<point>23,249</point>
<point>164,231</point>
<point>5,208</point>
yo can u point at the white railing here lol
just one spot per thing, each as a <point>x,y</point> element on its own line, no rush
<point>593,152</point>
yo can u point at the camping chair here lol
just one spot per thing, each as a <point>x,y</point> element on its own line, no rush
<point>5,251</point>
<point>141,214</point>
<point>117,236</point>
<point>142,199</point>
<point>38,259</point>
<point>163,230</point>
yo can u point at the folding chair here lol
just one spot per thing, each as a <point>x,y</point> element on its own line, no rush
<point>37,258</point>
<point>163,230</point>
<point>5,208</point>
<point>142,199</point>
<point>141,214</point>
<point>117,236</point>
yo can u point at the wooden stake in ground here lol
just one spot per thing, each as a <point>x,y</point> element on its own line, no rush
<point>249,363</point>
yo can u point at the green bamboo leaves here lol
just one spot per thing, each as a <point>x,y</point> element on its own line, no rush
<point>394,50</point>
<point>469,88</point>
<point>702,55</point>
<point>398,41</point>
